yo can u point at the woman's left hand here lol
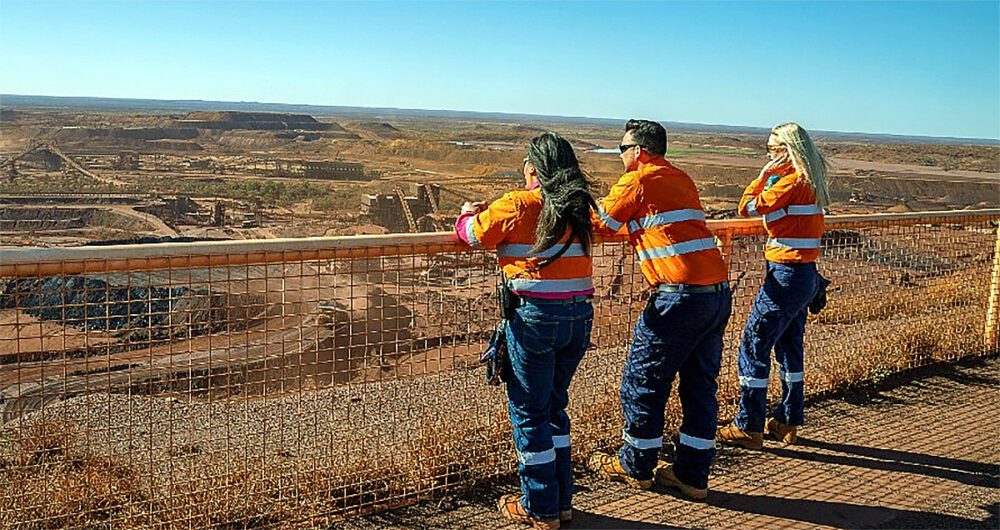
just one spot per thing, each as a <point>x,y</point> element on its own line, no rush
<point>474,207</point>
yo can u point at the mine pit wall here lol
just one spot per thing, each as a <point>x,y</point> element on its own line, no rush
<point>358,381</point>
<point>49,218</point>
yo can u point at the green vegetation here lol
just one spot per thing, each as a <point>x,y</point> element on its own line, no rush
<point>268,191</point>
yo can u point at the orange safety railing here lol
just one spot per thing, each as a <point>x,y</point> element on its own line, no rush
<point>257,383</point>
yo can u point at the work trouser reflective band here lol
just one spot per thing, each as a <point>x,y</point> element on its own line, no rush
<point>659,354</point>
<point>777,321</point>
<point>544,457</point>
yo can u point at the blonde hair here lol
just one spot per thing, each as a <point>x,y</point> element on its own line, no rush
<point>805,157</point>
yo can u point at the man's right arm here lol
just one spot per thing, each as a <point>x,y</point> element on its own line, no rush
<point>619,207</point>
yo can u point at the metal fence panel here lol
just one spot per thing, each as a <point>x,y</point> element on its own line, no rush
<point>284,382</point>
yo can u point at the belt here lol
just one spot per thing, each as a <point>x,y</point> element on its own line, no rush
<point>685,288</point>
<point>555,301</point>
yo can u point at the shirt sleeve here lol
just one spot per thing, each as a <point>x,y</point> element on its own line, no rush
<point>618,208</point>
<point>462,225</point>
<point>490,227</point>
<point>771,197</point>
<point>748,201</point>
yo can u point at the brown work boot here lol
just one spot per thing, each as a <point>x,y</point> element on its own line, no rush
<point>730,434</point>
<point>664,475</point>
<point>781,432</point>
<point>510,507</point>
<point>609,467</point>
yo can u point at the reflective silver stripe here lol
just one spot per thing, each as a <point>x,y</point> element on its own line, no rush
<point>470,233</point>
<point>752,207</point>
<point>643,443</point>
<point>697,443</point>
<point>560,442</point>
<point>660,219</point>
<point>793,242</point>
<point>677,249</point>
<point>752,382</point>
<point>608,221</point>
<point>551,286</point>
<point>795,209</point>
<point>775,215</point>
<point>524,251</point>
<point>537,459</point>
<point>792,377</point>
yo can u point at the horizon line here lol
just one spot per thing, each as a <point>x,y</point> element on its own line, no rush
<point>545,117</point>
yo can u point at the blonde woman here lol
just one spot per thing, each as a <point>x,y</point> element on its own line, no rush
<point>790,194</point>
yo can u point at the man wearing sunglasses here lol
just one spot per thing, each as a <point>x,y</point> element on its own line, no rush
<point>679,333</point>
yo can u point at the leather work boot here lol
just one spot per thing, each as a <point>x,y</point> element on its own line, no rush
<point>781,432</point>
<point>511,508</point>
<point>609,467</point>
<point>664,475</point>
<point>730,434</point>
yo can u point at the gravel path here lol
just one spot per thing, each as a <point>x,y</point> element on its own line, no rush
<point>920,451</point>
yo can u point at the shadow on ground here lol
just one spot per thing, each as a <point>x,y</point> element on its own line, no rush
<point>844,515</point>
<point>963,471</point>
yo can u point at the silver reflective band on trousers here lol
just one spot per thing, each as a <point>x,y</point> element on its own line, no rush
<point>642,443</point>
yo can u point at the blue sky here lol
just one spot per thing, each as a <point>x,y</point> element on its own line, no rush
<point>923,68</point>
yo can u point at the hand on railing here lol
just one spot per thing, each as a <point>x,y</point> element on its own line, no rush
<point>474,207</point>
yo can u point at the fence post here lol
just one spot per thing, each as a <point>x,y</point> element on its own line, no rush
<point>725,242</point>
<point>993,311</point>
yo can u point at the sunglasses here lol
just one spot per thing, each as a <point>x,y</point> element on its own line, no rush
<point>626,147</point>
<point>775,148</point>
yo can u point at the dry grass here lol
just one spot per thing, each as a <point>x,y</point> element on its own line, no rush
<point>932,295</point>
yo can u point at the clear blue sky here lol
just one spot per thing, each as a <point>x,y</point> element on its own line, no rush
<point>924,68</point>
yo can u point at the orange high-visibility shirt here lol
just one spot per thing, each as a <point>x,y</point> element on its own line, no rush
<point>659,207</point>
<point>508,225</point>
<point>793,222</point>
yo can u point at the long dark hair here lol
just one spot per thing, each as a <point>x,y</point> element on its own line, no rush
<point>566,199</point>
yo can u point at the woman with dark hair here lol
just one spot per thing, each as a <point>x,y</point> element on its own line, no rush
<point>542,236</point>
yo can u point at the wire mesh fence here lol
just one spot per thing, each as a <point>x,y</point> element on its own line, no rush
<point>297,382</point>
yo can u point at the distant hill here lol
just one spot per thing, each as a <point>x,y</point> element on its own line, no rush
<point>229,119</point>
<point>12,101</point>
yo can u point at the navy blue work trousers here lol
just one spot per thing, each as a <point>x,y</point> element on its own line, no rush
<point>777,321</point>
<point>545,342</point>
<point>677,334</point>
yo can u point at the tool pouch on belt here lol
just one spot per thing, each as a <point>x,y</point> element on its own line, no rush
<point>508,300</point>
<point>495,357</point>
<point>819,300</point>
